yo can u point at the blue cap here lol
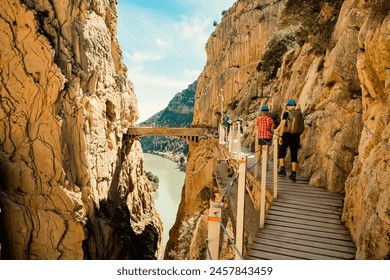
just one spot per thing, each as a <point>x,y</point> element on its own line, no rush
<point>264,108</point>
<point>291,102</point>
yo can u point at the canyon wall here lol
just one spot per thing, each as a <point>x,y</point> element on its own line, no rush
<point>332,57</point>
<point>70,186</point>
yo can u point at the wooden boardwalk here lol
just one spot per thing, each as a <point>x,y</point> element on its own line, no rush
<point>304,222</point>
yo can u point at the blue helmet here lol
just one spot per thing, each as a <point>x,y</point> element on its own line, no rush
<point>227,116</point>
<point>264,108</point>
<point>291,102</point>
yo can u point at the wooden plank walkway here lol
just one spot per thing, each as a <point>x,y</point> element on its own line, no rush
<point>304,222</point>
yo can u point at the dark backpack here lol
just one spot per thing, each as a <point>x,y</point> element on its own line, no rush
<point>295,122</point>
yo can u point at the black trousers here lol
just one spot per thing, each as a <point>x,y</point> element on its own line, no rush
<point>289,141</point>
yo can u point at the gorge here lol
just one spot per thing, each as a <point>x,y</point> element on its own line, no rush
<point>72,187</point>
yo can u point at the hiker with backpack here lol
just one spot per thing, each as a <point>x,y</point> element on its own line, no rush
<point>227,123</point>
<point>290,130</point>
<point>265,128</point>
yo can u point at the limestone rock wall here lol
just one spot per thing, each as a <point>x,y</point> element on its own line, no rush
<point>339,75</point>
<point>367,203</point>
<point>233,54</point>
<point>70,187</point>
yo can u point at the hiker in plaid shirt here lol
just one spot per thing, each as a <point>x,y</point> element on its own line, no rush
<point>265,128</point>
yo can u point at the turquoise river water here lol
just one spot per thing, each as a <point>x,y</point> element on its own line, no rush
<point>167,198</point>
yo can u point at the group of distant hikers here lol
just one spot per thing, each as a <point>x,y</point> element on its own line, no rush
<point>288,133</point>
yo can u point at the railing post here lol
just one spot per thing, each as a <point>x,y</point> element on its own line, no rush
<point>257,155</point>
<point>238,140</point>
<point>225,136</point>
<point>221,133</point>
<point>214,231</point>
<point>240,207</point>
<point>231,140</point>
<point>276,167</point>
<point>263,184</point>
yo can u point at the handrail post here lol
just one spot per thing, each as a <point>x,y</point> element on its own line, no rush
<point>233,144</point>
<point>221,134</point>
<point>257,155</point>
<point>231,132</point>
<point>263,184</point>
<point>225,136</point>
<point>275,167</point>
<point>214,231</point>
<point>240,206</point>
<point>238,140</point>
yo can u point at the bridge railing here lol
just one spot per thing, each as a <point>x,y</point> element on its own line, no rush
<point>190,134</point>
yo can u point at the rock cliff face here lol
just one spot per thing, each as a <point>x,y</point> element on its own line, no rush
<point>70,187</point>
<point>333,58</point>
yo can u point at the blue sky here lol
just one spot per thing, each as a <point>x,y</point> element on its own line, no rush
<point>163,45</point>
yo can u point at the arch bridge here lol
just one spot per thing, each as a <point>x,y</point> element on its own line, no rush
<point>188,134</point>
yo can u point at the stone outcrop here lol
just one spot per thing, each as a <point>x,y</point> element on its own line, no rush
<point>70,188</point>
<point>334,60</point>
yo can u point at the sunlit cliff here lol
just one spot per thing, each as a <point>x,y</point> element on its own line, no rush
<point>333,58</point>
<point>70,188</point>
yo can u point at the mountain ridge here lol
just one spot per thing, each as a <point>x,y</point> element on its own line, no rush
<point>178,113</point>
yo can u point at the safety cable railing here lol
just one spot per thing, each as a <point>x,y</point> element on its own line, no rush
<point>239,172</point>
<point>229,186</point>
<point>228,236</point>
<point>208,248</point>
<point>230,239</point>
<point>215,221</point>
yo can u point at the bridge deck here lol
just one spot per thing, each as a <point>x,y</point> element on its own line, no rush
<point>304,222</point>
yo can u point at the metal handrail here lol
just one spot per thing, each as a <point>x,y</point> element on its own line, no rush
<point>228,188</point>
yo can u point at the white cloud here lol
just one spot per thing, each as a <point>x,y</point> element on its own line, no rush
<point>161,42</point>
<point>143,56</point>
